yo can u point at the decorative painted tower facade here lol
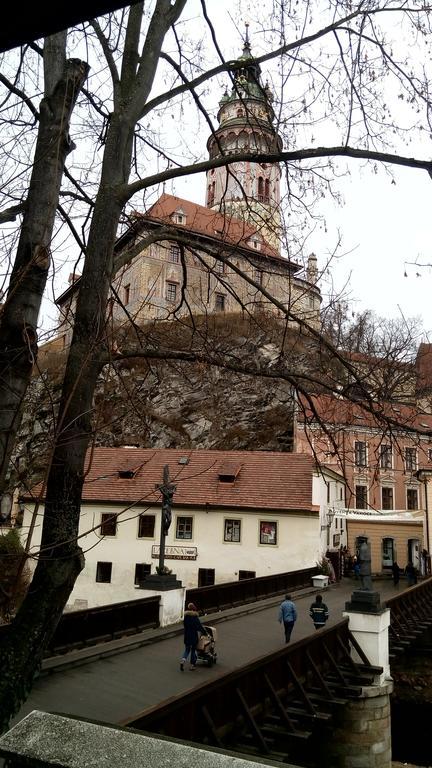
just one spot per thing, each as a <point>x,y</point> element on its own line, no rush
<point>247,190</point>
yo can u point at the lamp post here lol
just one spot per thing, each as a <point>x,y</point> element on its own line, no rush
<point>167,490</point>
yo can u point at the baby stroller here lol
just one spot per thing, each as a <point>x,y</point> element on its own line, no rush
<point>206,648</point>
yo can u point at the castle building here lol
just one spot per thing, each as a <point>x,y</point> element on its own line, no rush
<point>229,249</point>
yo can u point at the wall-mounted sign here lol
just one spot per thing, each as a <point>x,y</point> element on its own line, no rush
<point>176,553</point>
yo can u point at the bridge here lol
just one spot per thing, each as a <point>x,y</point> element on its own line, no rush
<point>282,699</point>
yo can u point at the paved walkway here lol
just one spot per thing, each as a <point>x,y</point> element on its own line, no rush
<point>114,688</point>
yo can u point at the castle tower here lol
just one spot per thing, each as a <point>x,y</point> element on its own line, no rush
<point>247,190</point>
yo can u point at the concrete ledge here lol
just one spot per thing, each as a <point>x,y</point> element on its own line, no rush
<point>42,740</point>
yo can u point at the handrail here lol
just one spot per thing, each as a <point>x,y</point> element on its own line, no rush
<point>219,597</point>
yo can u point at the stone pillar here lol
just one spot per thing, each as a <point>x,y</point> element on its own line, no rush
<point>171,594</point>
<point>371,632</point>
<point>361,735</point>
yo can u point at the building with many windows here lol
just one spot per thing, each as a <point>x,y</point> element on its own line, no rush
<point>380,455</point>
<point>236,515</point>
<point>229,249</point>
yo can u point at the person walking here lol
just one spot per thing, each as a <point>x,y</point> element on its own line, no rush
<point>319,612</point>
<point>396,573</point>
<point>192,631</point>
<point>411,574</point>
<point>287,615</point>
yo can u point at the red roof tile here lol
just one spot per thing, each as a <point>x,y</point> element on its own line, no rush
<point>205,221</point>
<point>268,481</point>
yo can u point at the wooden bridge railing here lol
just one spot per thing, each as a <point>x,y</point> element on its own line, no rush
<point>219,597</point>
<point>410,616</point>
<point>275,706</point>
<point>106,622</point>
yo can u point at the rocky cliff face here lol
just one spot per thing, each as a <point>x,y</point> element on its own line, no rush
<point>165,405</point>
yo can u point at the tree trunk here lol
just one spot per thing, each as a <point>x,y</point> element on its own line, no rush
<point>18,335</point>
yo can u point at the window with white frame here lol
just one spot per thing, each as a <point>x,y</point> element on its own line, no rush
<point>361,496</point>
<point>360,453</point>
<point>184,527</point>
<point>386,456</point>
<point>232,530</point>
<point>267,532</point>
<point>387,497</point>
<point>410,459</point>
<point>146,526</point>
<point>412,498</point>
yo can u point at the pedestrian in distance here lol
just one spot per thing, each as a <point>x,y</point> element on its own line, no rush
<point>411,574</point>
<point>287,616</point>
<point>319,612</point>
<point>396,573</point>
<point>192,631</point>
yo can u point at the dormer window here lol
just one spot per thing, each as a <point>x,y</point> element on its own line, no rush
<point>255,243</point>
<point>229,472</point>
<point>126,474</point>
<point>179,217</point>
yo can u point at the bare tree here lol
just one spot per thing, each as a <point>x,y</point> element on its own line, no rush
<point>343,67</point>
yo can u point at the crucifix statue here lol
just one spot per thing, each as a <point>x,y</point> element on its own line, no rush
<point>167,490</point>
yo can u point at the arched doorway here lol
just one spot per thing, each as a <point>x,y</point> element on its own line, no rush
<point>388,552</point>
<point>414,552</point>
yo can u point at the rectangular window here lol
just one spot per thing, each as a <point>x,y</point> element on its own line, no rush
<point>246,575</point>
<point>387,498</point>
<point>184,528</point>
<point>412,498</point>
<point>410,459</point>
<point>141,571</point>
<point>103,572</point>
<point>174,254</point>
<point>232,530</point>
<point>219,267</point>
<point>146,526</point>
<point>126,294</point>
<point>220,302</point>
<point>258,276</point>
<point>108,524</point>
<point>171,292</point>
<point>429,454</point>
<point>386,458</point>
<point>206,577</point>
<point>268,532</point>
<point>361,496</point>
<point>360,453</point>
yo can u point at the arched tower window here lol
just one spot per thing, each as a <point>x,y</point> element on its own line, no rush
<point>211,194</point>
<point>267,191</point>
<point>260,189</point>
<point>239,113</point>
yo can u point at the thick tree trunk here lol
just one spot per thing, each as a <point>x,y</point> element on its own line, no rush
<point>61,558</point>
<point>18,336</point>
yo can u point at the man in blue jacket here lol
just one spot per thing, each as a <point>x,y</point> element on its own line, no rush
<point>287,615</point>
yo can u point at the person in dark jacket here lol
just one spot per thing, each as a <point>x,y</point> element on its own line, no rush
<point>318,612</point>
<point>411,574</point>
<point>287,616</point>
<point>396,573</point>
<point>192,631</point>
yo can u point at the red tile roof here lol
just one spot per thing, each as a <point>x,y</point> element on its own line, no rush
<point>205,221</point>
<point>343,412</point>
<point>267,481</point>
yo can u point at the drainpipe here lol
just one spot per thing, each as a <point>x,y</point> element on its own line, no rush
<point>425,473</point>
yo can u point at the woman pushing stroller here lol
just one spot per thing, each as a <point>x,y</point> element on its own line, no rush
<point>192,631</point>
